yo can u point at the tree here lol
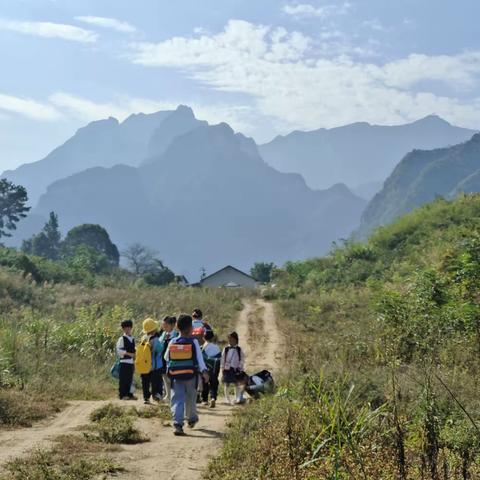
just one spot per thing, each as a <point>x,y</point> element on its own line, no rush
<point>159,274</point>
<point>140,259</point>
<point>262,271</point>
<point>93,236</point>
<point>53,236</point>
<point>85,259</point>
<point>12,206</point>
<point>47,242</point>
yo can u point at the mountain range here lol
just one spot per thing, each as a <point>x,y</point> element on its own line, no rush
<point>360,155</point>
<point>208,200</point>
<point>420,177</point>
<point>203,196</point>
<point>105,143</point>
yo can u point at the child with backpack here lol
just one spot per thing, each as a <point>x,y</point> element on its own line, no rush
<point>212,356</point>
<point>169,332</point>
<point>149,362</point>
<point>232,364</point>
<point>184,364</point>
<point>200,326</point>
<point>125,349</point>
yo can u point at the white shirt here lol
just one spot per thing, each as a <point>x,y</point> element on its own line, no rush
<point>231,359</point>
<point>121,350</point>
<point>211,350</point>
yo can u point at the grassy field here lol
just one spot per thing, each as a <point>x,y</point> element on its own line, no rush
<point>50,334</point>
<point>384,341</point>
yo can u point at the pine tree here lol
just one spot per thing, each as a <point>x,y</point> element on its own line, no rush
<point>46,243</point>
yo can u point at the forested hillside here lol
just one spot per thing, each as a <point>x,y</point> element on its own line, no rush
<point>384,342</point>
<point>422,176</point>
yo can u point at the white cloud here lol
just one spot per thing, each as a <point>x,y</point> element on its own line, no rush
<point>241,39</point>
<point>308,10</point>
<point>458,71</point>
<point>49,30</point>
<point>293,78</point>
<point>105,22</point>
<point>28,108</point>
<point>375,24</point>
<point>88,110</point>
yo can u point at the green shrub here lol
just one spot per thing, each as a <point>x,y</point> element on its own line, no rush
<point>110,410</point>
<point>117,430</point>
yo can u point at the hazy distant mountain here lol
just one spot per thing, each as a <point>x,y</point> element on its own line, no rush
<point>179,122</point>
<point>367,190</point>
<point>423,175</point>
<point>105,143</point>
<point>209,200</point>
<point>359,153</point>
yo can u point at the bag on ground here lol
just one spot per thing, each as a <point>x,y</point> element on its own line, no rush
<point>260,383</point>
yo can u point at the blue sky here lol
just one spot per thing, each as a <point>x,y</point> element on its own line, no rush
<point>264,66</point>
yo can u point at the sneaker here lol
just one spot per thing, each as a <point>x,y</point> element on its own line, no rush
<point>192,424</point>
<point>131,397</point>
<point>240,401</point>
<point>146,402</point>
<point>205,402</point>
<point>178,431</point>
<point>157,398</point>
<point>212,403</point>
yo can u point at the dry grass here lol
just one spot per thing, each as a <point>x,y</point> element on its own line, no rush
<point>18,409</point>
<point>72,458</point>
<point>52,332</point>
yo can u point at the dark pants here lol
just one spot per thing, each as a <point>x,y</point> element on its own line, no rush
<point>125,379</point>
<point>211,387</point>
<point>153,380</point>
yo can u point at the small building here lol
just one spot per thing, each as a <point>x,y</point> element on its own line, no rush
<point>229,277</point>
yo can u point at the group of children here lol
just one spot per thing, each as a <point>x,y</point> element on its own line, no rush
<point>181,364</point>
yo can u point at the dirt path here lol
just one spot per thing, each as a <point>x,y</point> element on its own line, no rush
<point>260,337</point>
<point>20,441</point>
<point>165,456</point>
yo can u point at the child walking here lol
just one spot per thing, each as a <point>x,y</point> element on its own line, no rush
<point>184,364</point>
<point>152,380</point>
<point>169,332</point>
<point>212,356</point>
<point>126,353</point>
<point>232,364</point>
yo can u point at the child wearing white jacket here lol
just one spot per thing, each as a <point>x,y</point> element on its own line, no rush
<point>232,367</point>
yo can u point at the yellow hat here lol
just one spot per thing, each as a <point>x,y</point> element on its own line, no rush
<point>149,325</point>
